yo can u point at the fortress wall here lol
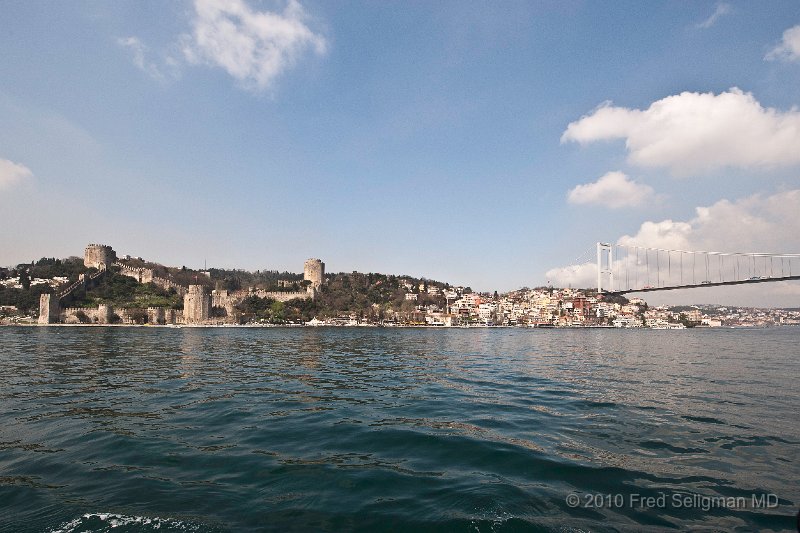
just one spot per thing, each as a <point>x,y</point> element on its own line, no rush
<point>156,315</point>
<point>173,316</point>
<point>125,316</point>
<point>142,275</point>
<point>135,273</point>
<point>283,296</point>
<point>146,275</point>
<point>103,314</point>
<point>94,315</point>
<point>167,284</point>
<point>129,316</point>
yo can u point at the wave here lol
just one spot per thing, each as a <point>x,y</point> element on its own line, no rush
<point>103,522</point>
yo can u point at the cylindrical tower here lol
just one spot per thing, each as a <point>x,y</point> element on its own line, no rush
<point>99,256</point>
<point>314,271</point>
<point>196,305</point>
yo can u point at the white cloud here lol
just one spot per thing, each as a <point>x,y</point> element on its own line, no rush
<point>721,10</point>
<point>789,48</point>
<point>12,173</point>
<point>667,234</point>
<point>581,275</point>
<point>753,224</point>
<point>254,47</point>
<point>614,190</point>
<point>756,223</point>
<point>693,133</point>
<point>168,70</point>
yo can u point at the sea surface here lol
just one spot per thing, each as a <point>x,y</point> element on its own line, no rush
<point>369,429</point>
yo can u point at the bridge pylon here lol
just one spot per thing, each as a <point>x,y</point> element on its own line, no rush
<point>605,266</point>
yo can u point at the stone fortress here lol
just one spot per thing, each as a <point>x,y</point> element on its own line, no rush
<point>199,306</point>
<point>99,256</point>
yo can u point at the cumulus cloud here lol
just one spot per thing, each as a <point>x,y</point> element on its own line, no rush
<point>693,133</point>
<point>580,275</point>
<point>614,190</point>
<point>721,10</point>
<point>254,47</point>
<point>667,234</point>
<point>13,173</point>
<point>789,47</point>
<point>168,69</point>
<point>756,223</point>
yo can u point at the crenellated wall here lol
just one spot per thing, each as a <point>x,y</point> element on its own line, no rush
<point>285,296</point>
<point>156,315</point>
<point>102,314</point>
<point>50,304</point>
<point>146,275</point>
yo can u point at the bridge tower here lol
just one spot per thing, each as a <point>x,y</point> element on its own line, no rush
<point>605,266</point>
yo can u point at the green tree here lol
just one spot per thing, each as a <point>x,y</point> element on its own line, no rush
<point>139,316</point>
<point>277,313</point>
<point>82,317</point>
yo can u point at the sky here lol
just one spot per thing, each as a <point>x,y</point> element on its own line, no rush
<point>478,143</point>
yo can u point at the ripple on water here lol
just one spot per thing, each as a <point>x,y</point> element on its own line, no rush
<point>328,430</point>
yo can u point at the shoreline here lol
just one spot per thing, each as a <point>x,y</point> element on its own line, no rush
<point>392,326</point>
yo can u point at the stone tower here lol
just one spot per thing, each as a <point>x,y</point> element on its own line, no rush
<point>99,256</point>
<point>49,309</point>
<point>314,271</point>
<point>196,305</point>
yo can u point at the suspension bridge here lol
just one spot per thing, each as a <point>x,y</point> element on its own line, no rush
<point>624,268</point>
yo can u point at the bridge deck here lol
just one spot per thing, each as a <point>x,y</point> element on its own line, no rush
<point>697,285</point>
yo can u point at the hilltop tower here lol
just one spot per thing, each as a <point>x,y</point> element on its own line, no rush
<point>99,256</point>
<point>314,271</point>
<point>196,305</point>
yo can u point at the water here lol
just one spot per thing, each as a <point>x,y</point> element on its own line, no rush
<point>153,429</point>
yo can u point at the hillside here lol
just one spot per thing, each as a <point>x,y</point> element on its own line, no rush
<point>371,295</point>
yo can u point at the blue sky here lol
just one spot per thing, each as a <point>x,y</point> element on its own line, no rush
<point>438,139</point>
